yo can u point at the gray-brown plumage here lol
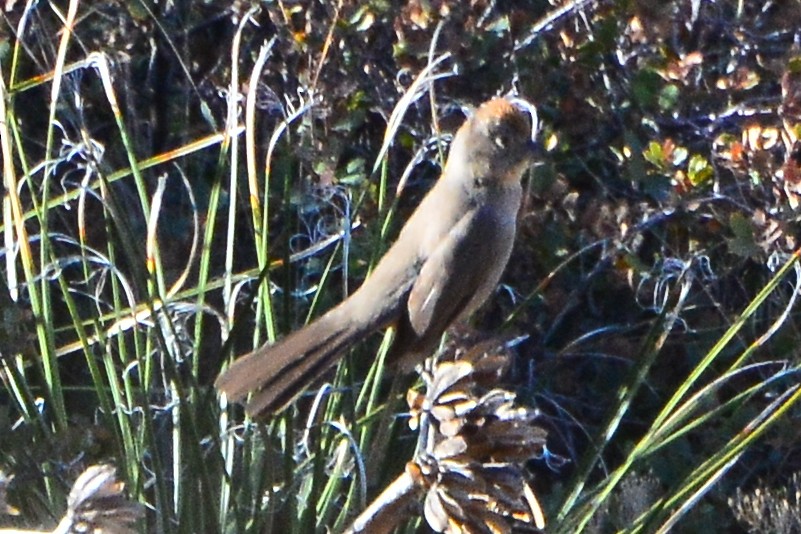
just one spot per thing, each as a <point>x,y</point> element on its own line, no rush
<point>445,263</point>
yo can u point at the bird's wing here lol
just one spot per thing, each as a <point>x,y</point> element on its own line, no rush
<point>458,268</point>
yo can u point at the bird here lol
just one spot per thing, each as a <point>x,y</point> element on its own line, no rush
<point>445,263</point>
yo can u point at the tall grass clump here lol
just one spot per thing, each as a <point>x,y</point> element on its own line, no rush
<point>185,181</point>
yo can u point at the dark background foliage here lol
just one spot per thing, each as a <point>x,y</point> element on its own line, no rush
<point>669,150</point>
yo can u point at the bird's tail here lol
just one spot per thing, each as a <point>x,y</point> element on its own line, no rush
<point>276,374</point>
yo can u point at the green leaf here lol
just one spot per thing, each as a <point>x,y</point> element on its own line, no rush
<point>646,87</point>
<point>668,97</point>
<point>679,156</point>
<point>743,243</point>
<point>354,172</point>
<point>654,154</point>
<point>699,170</point>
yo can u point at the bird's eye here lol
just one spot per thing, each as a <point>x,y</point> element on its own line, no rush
<point>502,141</point>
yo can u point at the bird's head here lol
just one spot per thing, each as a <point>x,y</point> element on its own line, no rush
<point>497,142</point>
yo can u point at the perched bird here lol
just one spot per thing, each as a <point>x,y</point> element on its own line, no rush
<point>445,263</point>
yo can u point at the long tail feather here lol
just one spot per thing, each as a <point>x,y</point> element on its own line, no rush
<point>276,374</point>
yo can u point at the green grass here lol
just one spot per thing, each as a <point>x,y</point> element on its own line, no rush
<point>136,264</point>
